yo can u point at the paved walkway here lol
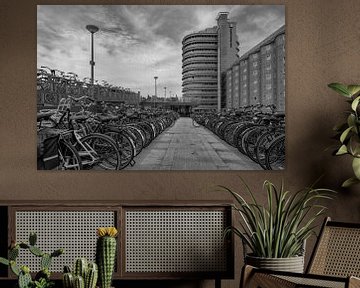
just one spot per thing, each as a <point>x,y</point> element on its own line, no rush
<point>185,147</point>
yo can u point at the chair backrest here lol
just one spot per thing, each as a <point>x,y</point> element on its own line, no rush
<point>337,251</point>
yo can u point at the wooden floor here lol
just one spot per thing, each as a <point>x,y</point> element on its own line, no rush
<point>185,147</point>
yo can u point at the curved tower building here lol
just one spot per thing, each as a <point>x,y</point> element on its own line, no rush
<point>200,68</point>
<point>207,55</point>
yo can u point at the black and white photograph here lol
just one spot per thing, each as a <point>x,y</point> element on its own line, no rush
<point>161,87</point>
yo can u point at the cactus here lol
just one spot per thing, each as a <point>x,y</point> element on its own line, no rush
<point>68,280</point>
<point>67,269</point>
<point>14,268</point>
<point>105,255</point>
<point>13,253</point>
<point>88,273</point>
<point>24,246</point>
<point>91,276</point>
<point>42,278</point>
<point>4,261</point>
<point>80,267</point>
<point>45,261</point>
<point>57,253</point>
<point>36,251</point>
<point>32,238</point>
<point>43,274</point>
<point>24,280</point>
<point>79,282</point>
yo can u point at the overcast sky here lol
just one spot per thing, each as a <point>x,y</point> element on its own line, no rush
<point>137,42</point>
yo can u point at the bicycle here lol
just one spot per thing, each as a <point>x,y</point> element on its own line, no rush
<point>96,150</point>
<point>65,156</point>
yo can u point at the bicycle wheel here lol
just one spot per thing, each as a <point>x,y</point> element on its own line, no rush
<point>68,156</point>
<point>125,146</point>
<point>240,134</point>
<point>99,151</point>
<point>251,140</point>
<point>137,139</point>
<point>261,146</point>
<point>275,155</point>
<point>149,137</point>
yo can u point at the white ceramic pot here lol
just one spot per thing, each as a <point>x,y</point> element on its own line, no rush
<point>291,264</point>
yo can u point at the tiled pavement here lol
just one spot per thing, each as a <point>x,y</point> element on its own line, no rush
<point>185,147</point>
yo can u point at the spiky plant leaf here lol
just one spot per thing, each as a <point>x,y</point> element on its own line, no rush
<point>340,88</point>
<point>279,228</point>
<point>349,182</point>
<point>342,150</point>
<point>355,103</point>
<point>353,89</point>
<point>356,167</point>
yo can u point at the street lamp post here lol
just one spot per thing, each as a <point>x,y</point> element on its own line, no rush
<point>165,93</point>
<point>155,78</point>
<point>92,29</point>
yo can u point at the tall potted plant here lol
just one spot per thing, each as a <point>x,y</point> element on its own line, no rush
<point>349,131</point>
<point>275,233</point>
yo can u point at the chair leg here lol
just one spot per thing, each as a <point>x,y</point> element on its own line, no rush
<point>354,282</point>
<point>246,273</point>
<point>217,282</point>
<point>250,278</point>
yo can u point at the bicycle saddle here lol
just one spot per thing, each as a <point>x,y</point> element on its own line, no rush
<point>44,115</point>
<point>79,117</point>
<point>106,118</point>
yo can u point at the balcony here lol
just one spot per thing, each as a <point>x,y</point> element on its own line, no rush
<point>204,46</point>
<point>200,63</point>
<point>200,52</point>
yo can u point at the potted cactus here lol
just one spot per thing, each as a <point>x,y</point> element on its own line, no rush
<point>106,254</point>
<point>42,278</point>
<point>84,275</point>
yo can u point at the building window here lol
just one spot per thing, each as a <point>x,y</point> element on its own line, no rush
<point>255,72</point>
<point>255,64</point>
<point>268,86</point>
<point>268,56</point>
<point>268,76</point>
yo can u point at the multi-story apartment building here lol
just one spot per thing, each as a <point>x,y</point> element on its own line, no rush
<point>261,75</point>
<point>207,55</point>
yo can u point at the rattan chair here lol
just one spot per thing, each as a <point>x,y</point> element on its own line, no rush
<point>335,262</point>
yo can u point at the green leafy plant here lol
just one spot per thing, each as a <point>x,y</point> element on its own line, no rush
<point>349,131</point>
<point>279,229</point>
<point>42,278</point>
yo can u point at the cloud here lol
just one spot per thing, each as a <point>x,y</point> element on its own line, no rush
<point>137,42</point>
<point>256,22</point>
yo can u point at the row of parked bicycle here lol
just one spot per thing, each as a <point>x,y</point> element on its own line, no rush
<point>258,132</point>
<point>89,140</point>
